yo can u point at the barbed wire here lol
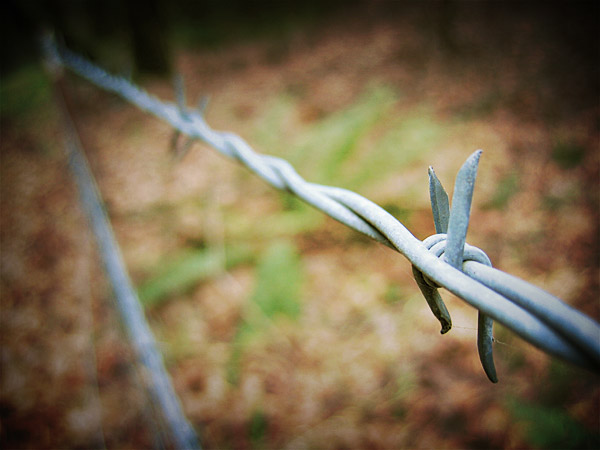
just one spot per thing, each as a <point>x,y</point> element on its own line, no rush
<point>442,260</point>
<point>154,373</point>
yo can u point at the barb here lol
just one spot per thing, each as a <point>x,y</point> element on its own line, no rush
<point>439,203</point>
<point>458,224</point>
<point>533,314</point>
<point>441,212</point>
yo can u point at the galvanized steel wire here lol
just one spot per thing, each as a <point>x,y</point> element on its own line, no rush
<point>153,370</point>
<point>532,313</point>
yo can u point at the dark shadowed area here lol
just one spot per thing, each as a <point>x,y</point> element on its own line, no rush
<point>280,328</point>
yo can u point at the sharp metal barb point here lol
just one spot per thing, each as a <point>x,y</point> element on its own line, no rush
<point>458,225</point>
<point>485,340</point>
<point>434,300</point>
<point>180,94</point>
<point>128,72</point>
<point>180,152</point>
<point>173,144</point>
<point>203,104</point>
<point>458,222</point>
<point>439,205</point>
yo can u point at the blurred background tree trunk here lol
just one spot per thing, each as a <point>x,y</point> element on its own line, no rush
<point>109,32</point>
<point>444,26</point>
<point>149,39</point>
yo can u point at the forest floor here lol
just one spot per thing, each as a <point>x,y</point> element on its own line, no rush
<point>280,327</point>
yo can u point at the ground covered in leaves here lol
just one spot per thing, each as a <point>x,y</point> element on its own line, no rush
<point>280,327</point>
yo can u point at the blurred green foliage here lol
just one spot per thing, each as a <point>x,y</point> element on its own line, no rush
<point>184,270</point>
<point>337,137</point>
<point>180,274</point>
<point>552,428</point>
<point>329,143</point>
<point>292,220</point>
<point>393,293</point>
<point>258,427</point>
<point>270,131</point>
<point>362,143</point>
<point>568,155</point>
<point>24,92</point>
<point>278,282</point>
<point>276,296</point>
<point>506,188</point>
<point>407,138</point>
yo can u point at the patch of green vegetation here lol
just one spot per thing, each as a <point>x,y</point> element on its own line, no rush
<point>410,138</point>
<point>332,141</point>
<point>554,201</point>
<point>406,383</point>
<point>568,155</point>
<point>279,224</point>
<point>399,410</point>
<point>24,92</point>
<point>297,217</point>
<point>506,189</point>
<point>400,213</point>
<point>289,223</point>
<point>259,425</point>
<point>552,428</point>
<point>560,376</point>
<point>176,345</point>
<point>276,296</point>
<point>393,294</point>
<point>278,282</point>
<point>291,202</point>
<point>331,150</point>
<point>268,134</point>
<point>186,269</point>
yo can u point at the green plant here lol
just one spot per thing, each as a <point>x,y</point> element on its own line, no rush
<point>551,428</point>
<point>24,92</point>
<point>333,141</point>
<point>568,155</point>
<point>508,186</point>
<point>276,296</point>
<point>186,269</point>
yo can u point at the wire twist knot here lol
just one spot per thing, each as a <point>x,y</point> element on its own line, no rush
<point>436,244</point>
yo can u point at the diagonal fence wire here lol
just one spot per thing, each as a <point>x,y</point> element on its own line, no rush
<point>532,313</point>
<point>154,373</point>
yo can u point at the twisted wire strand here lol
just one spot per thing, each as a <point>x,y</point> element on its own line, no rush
<point>160,386</point>
<point>152,366</point>
<point>535,315</point>
<point>437,245</point>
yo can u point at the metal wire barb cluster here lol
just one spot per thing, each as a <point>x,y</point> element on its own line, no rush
<point>442,260</point>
